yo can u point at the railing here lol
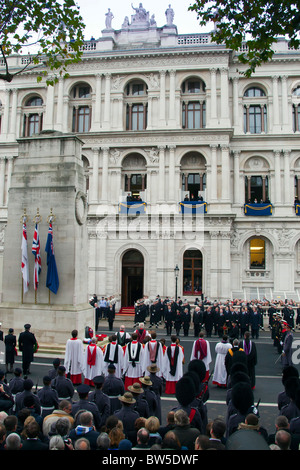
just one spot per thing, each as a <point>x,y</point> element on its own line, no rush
<point>191,39</point>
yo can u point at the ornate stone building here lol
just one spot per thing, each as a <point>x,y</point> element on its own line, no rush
<point>160,116</point>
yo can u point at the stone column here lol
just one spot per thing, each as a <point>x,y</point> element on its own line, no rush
<point>2,180</point>
<point>224,97</point>
<point>214,170</point>
<point>13,117</point>
<point>213,97</point>
<point>162,98</point>
<point>236,177</point>
<point>225,173</point>
<point>275,114</point>
<point>59,107</point>
<point>96,113</point>
<point>107,104</point>
<point>172,112</point>
<point>286,118</point>
<point>104,182</point>
<point>48,116</point>
<point>5,118</point>
<point>236,114</point>
<point>94,188</point>
<point>161,182</point>
<point>9,173</point>
<point>172,183</point>
<point>288,181</point>
<point>277,189</point>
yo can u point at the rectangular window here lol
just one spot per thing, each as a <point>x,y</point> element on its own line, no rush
<point>257,254</point>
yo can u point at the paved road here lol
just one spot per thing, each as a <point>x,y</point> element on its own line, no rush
<point>268,378</point>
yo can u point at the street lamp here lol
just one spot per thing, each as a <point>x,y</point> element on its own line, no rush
<point>176,271</point>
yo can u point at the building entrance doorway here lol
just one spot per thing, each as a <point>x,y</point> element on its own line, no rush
<point>132,277</point>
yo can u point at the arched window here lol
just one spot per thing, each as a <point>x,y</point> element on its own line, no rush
<point>296,109</point>
<point>193,104</point>
<point>192,272</point>
<point>80,99</point>
<point>257,253</point>
<point>33,116</point>
<point>136,106</point>
<point>255,111</point>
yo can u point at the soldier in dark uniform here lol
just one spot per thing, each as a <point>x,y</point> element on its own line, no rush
<point>155,313</point>
<point>48,397</point>
<point>52,373</point>
<point>128,415</point>
<point>113,387</point>
<point>156,387</point>
<point>27,343</point>
<point>110,315</point>
<point>16,384</point>
<point>169,319</point>
<point>84,404</point>
<point>20,397</point>
<point>10,342</point>
<point>100,399</point>
<point>63,385</point>
<point>141,404</point>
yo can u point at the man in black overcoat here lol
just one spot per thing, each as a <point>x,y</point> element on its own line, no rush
<point>27,344</point>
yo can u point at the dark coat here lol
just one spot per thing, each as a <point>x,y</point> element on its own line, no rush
<point>27,342</point>
<point>10,341</point>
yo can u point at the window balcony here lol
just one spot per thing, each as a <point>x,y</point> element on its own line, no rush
<point>258,209</point>
<point>193,207</point>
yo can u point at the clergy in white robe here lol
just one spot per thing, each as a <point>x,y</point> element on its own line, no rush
<point>74,358</point>
<point>93,362</point>
<point>172,366</point>
<point>153,354</point>
<point>201,350</point>
<point>133,362</point>
<point>220,373</point>
<point>113,354</point>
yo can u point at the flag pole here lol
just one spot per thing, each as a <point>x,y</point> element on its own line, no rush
<point>37,219</point>
<point>23,221</point>
<point>50,219</point>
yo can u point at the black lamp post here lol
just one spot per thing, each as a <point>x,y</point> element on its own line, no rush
<point>176,271</point>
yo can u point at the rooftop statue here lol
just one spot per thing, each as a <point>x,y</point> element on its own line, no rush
<point>108,19</point>
<point>169,15</point>
<point>141,14</point>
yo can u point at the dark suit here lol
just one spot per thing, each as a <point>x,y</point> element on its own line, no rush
<point>27,342</point>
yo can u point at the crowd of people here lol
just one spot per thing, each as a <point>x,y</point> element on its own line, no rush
<point>106,395</point>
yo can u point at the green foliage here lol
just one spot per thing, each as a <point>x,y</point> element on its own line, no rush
<point>46,27</point>
<point>258,23</point>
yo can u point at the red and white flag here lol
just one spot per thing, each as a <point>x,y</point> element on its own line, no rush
<point>24,264</point>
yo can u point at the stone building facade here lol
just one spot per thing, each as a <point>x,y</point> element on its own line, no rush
<point>159,116</point>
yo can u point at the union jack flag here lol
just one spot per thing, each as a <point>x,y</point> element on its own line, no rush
<point>37,254</point>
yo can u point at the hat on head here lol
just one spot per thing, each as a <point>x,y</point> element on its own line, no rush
<point>185,391</point>
<point>56,362</point>
<point>146,380</point>
<point>242,397</point>
<point>62,368</point>
<point>27,326</point>
<point>83,389</point>
<point>28,384</point>
<point>127,398</point>
<point>99,379</point>
<point>153,368</point>
<point>125,444</point>
<point>136,388</point>
<point>198,366</point>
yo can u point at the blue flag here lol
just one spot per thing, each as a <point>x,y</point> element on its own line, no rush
<point>52,281</point>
